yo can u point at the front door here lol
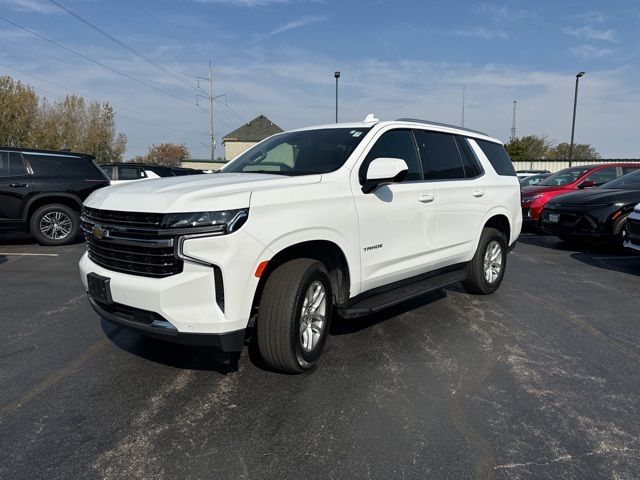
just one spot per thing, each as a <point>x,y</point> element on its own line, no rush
<point>15,186</point>
<point>397,222</point>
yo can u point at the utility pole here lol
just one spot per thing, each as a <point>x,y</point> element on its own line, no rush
<point>513,122</point>
<point>211,98</point>
<point>462,120</point>
<point>337,76</point>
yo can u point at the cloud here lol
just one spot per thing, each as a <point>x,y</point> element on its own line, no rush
<point>33,6</point>
<point>477,32</point>
<point>588,32</point>
<point>591,17</point>
<point>589,51</point>
<point>502,12</point>
<point>300,22</point>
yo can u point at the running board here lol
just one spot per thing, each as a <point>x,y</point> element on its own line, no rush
<point>398,295</point>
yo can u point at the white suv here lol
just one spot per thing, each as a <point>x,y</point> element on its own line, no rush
<point>345,218</point>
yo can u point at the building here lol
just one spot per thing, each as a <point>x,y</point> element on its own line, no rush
<point>201,163</point>
<point>245,137</point>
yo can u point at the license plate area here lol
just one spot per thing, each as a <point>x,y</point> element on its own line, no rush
<point>554,217</point>
<point>99,288</point>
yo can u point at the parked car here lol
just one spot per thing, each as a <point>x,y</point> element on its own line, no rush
<point>632,230</point>
<point>529,173</point>
<point>347,217</point>
<point>534,198</point>
<point>128,171</point>
<point>533,179</point>
<point>41,192</point>
<point>594,215</point>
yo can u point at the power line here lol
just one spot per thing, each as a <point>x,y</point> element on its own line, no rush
<point>148,120</point>
<point>124,45</point>
<point>148,85</point>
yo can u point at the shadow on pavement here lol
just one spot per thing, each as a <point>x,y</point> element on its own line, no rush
<point>17,239</point>
<point>624,262</point>
<point>171,354</point>
<point>3,259</point>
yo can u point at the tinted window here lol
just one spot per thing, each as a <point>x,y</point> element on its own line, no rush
<point>305,152</point>
<point>11,164</point>
<point>630,180</point>
<point>395,144</point>
<point>128,173</point>
<point>108,170</point>
<point>564,177</point>
<point>603,175</point>
<point>63,166</point>
<point>498,157</point>
<point>626,170</point>
<point>472,168</point>
<point>440,156</point>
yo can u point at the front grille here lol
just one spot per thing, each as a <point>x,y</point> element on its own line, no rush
<point>129,242</point>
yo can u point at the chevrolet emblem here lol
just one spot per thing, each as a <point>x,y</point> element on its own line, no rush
<point>99,233</point>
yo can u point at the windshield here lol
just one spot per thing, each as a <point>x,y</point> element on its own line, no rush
<point>564,177</point>
<point>300,153</point>
<point>630,180</point>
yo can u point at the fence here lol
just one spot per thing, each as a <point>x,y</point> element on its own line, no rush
<point>555,165</point>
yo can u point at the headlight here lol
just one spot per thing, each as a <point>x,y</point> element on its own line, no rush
<point>530,198</point>
<point>225,221</point>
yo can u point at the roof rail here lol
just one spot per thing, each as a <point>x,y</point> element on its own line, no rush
<point>440,124</point>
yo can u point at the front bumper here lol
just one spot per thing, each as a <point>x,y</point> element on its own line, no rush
<point>187,305</point>
<point>632,232</point>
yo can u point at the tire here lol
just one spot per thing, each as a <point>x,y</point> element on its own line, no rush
<point>281,343</point>
<point>54,224</point>
<point>492,242</point>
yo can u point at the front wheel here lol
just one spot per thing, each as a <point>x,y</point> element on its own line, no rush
<point>54,224</point>
<point>486,269</point>
<point>294,315</point>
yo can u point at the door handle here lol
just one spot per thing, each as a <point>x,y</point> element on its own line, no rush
<point>18,185</point>
<point>426,198</point>
<point>478,194</point>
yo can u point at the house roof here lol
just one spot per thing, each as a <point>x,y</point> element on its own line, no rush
<point>254,131</point>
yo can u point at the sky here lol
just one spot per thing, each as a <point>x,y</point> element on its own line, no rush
<point>397,59</point>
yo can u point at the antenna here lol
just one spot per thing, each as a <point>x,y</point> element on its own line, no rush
<point>513,122</point>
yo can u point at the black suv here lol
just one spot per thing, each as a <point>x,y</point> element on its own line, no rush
<point>137,171</point>
<point>41,192</point>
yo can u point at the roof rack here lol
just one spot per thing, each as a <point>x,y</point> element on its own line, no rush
<point>439,124</point>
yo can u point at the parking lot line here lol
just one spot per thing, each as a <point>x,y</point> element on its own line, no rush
<point>20,254</point>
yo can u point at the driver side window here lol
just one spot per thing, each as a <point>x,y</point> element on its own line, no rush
<point>395,144</point>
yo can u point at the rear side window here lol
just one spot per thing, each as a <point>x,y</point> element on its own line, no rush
<point>498,157</point>
<point>472,168</point>
<point>63,166</point>
<point>439,155</point>
<point>603,175</point>
<point>129,173</point>
<point>108,170</point>
<point>11,164</point>
<point>626,170</point>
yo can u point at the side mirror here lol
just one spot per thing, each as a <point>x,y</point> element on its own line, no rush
<point>587,184</point>
<point>384,170</point>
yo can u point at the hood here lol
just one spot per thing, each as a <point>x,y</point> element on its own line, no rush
<point>192,193</point>
<point>537,189</point>
<point>597,196</point>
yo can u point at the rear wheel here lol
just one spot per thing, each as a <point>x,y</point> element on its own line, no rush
<point>486,269</point>
<point>54,224</point>
<point>294,315</point>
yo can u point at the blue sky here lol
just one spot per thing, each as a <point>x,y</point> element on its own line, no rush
<point>397,58</point>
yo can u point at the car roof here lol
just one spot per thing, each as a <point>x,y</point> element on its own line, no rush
<point>63,153</point>
<point>408,123</point>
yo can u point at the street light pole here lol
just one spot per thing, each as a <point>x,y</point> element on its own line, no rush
<point>337,76</point>
<point>573,123</point>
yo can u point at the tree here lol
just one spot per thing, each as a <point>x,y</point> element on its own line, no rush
<point>530,147</point>
<point>168,154</point>
<point>18,113</point>
<point>70,123</point>
<point>581,151</point>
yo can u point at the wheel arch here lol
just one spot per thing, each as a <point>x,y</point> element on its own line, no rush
<point>38,201</point>
<point>325,251</point>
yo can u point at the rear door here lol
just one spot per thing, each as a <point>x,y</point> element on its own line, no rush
<point>461,189</point>
<point>16,185</point>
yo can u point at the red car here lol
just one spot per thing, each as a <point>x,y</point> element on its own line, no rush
<point>534,198</point>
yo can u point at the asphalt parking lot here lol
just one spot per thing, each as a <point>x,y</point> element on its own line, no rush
<point>540,380</point>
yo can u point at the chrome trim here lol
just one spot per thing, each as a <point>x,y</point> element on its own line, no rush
<point>166,242</point>
<point>180,253</point>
